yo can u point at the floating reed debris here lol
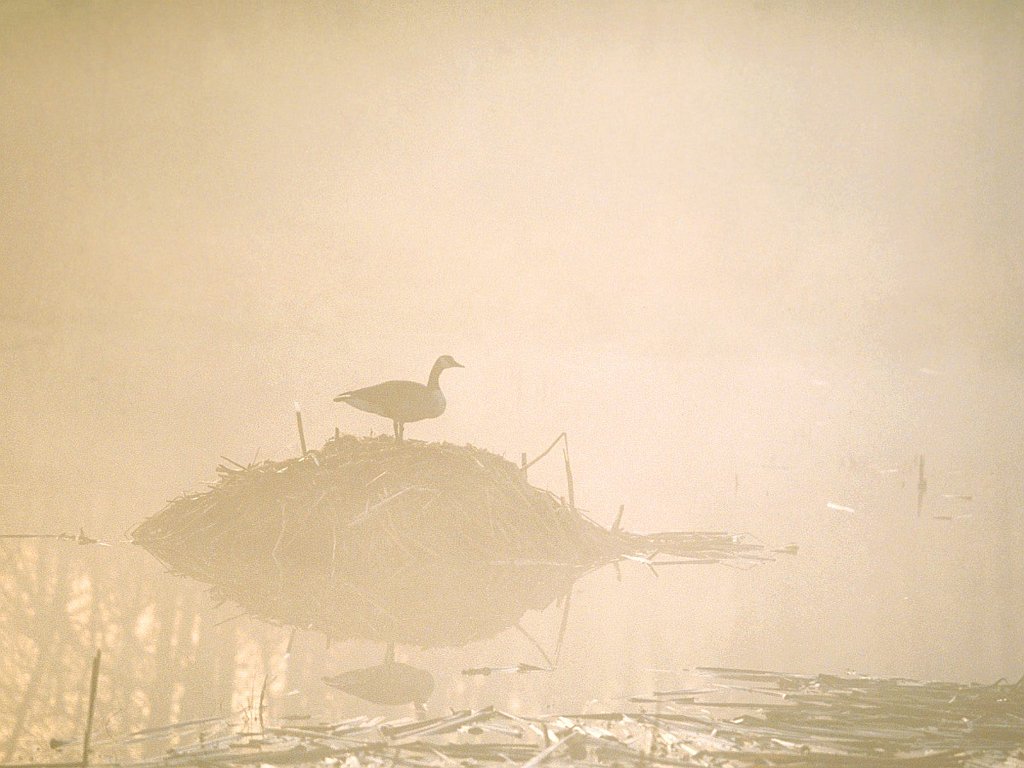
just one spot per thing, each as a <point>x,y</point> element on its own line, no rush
<point>428,544</point>
<point>728,719</point>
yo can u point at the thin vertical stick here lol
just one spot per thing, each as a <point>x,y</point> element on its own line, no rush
<point>618,518</point>
<point>564,624</point>
<point>92,705</point>
<point>302,435</point>
<point>291,639</point>
<point>568,472</point>
<point>263,693</point>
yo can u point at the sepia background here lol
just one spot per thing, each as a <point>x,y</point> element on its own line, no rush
<point>755,258</point>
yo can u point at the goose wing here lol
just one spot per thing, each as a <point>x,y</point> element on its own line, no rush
<point>401,400</point>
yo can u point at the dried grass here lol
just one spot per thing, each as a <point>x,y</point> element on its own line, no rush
<point>429,544</point>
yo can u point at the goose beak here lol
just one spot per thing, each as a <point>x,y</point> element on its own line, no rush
<point>457,365</point>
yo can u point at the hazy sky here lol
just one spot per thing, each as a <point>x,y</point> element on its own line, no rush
<point>694,178</point>
<point>313,196</point>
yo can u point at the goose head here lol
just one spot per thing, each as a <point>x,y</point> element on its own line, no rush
<point>444,361</point>
<point>447,361</point>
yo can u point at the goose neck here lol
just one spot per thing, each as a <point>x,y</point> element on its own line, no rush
<point>434,382</point>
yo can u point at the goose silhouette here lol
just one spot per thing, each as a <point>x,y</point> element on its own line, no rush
<point>403,401</point>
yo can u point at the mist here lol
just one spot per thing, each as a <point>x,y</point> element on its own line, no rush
<point>754,258</point>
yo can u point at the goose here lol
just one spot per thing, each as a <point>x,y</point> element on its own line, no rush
<point>389,683</point>
<point>403,401</point>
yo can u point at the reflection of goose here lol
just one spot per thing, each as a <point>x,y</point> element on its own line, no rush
<point>387,683</point>
<point>403,401</point>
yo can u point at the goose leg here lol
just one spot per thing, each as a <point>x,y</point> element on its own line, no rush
<point>389,654</point>
<point>397,428</point>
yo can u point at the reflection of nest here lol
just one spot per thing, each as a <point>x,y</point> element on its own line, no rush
<point>419,543</point>
<point>427,544</point>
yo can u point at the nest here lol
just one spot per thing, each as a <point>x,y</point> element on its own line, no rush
<point>427,544</point>
<point>420,543</point>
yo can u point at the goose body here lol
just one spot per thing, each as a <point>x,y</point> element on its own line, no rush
<point>403,401</point>
<point>388,683</point>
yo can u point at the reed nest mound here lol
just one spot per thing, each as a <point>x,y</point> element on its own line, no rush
<point>429,544</point>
